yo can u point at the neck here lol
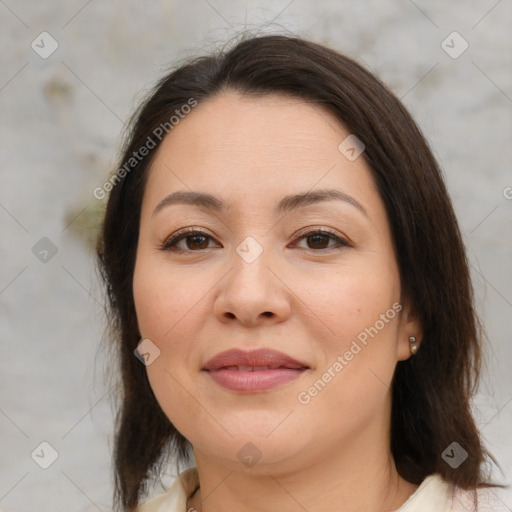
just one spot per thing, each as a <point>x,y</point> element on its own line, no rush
<point>358,477</point>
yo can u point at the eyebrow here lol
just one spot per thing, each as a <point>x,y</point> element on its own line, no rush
<point>285,205</point>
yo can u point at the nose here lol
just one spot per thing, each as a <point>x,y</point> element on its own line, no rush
<point>253,293</point>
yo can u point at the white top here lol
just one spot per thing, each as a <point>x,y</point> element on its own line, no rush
<point>433,495</point>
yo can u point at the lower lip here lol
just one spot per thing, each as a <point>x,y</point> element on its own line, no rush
<point>251,382</point>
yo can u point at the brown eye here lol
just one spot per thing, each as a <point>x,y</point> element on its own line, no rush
<point>196,241</point>
<point>190,241</point>
<point>320,239</point>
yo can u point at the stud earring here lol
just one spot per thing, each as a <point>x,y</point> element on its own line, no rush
<point>413,344</point>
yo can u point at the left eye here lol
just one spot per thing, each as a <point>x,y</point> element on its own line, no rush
<point>320,240</point>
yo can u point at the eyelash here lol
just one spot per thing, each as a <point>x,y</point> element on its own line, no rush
<point>170,243</point>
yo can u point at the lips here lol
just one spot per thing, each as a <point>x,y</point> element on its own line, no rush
<point>253,371</point>
<point>254,360</point>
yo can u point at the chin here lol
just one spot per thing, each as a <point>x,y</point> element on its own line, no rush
<point>256,450</point>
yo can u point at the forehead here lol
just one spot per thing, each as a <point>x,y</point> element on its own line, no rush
<point>254,146</point>
<point>232,125</point>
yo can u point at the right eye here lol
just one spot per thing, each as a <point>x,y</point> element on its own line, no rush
<point>191,240</point>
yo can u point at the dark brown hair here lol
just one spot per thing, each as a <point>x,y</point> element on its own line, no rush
<point>432,390</point>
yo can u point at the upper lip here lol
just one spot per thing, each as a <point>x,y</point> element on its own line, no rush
<point>251,358</point>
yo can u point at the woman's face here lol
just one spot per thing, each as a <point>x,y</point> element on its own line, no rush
<point>313,277</point>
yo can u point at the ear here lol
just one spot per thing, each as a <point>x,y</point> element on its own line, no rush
<point>409,325</point>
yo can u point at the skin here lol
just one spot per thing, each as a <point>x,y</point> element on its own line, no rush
<point>309,298</point>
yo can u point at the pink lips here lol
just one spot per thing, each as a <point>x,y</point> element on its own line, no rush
<point>252,371</point>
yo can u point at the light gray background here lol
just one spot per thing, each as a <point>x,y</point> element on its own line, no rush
<point>60,124</point>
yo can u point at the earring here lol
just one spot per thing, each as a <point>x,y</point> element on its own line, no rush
<point>413,344</point>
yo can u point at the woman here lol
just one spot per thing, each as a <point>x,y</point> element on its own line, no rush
<point>282,257</point>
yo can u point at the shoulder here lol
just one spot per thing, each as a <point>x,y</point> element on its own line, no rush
<point>175,498</point>
<point>481,500</point>
<point>436,495</point>
<point>433,495</point>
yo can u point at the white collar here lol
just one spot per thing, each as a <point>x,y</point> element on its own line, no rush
<point>433,495</point>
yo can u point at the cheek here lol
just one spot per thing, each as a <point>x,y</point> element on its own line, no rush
<point>351,298</point>
<point>357,312</point>
<point>161,300</point>
<point>168,306</point>
<point>164,306</point>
